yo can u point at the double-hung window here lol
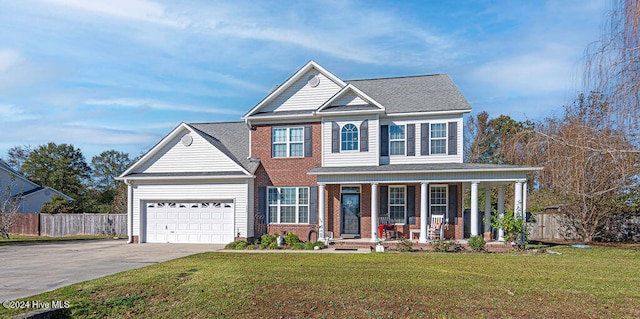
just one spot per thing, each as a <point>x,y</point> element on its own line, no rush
<point>438,199</point>
<point>288,205</point>
<point>438,138</point>
<point>397,204</point>
<point>396,139</point>
<point>288,142</point>
<point>349,136</point>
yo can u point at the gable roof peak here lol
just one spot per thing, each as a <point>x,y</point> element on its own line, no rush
<point>290,81</point>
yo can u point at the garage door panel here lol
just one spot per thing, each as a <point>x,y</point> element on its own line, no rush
<point>178,222</point>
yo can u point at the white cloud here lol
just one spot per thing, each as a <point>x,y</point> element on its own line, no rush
<point>8,59</point>
<point>11,113</point>
<point>158,105</point>
<point>140,10</point>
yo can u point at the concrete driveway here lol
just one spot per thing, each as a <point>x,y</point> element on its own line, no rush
<point>30,269</point>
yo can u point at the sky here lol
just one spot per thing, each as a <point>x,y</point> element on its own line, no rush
<point>121,74</point>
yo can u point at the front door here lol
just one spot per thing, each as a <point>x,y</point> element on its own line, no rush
<point>350,214</point>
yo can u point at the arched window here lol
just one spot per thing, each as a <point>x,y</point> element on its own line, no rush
<point>349,135</point>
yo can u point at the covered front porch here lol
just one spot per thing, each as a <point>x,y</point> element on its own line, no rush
<point>422,201</point>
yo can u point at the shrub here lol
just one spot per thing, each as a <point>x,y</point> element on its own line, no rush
<point>291,239</point>
<point>267,240</point>
<point>440,245</point>
<point>477,243</point>
<point>312,245</point>
<point>238,244</point>
<point>405,245</point>
<point>298,246</point>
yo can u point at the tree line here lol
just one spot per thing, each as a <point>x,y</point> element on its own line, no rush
<point>63,167</point>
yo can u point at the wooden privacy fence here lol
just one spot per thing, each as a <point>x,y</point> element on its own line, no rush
<point>58,225</point>
<point>545,227</point>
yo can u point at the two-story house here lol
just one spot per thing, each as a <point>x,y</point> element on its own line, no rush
<point>320,156</point>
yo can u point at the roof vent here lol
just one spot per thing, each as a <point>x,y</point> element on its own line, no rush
<point>186,140</point>
<point>313,81</point>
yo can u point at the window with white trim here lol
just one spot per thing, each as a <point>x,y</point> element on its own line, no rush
<point>438,199</point>
<point>349,137</point>
<point>396,139</point>
<point>288,205</point>
<point>438,138</point>
<point>287,142</point>
<point>397,204</point>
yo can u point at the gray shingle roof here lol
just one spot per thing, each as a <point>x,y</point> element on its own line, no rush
<point>232,138</point>
<point>425,93</point>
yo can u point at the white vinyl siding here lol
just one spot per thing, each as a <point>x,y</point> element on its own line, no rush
<point>168,190</point>
<point>300,96</point>
<point>200,156</point>
<point>355,157</point>
<point>425,159</point>
<point>349,98</point>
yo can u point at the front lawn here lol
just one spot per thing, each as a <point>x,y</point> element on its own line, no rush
<point>23,239</point>
<point>580,283</point>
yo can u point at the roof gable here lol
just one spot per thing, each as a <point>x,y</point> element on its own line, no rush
<point>186,150</point>
<point>349,99</point>
<point>307,89</point>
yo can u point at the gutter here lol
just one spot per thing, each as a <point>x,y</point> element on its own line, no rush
<point>129,210</point>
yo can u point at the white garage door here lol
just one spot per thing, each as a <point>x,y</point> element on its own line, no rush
<point>209,222</point>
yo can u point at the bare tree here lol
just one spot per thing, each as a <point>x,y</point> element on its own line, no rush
<point>9,208</point>
<point>590,167</point>
<point>612,65</point>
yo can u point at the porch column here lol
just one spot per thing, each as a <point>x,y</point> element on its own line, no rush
<point>474,208</point>
<point>374,212</point>
<point>524,206</point>
<point>517,203</point>
<point>487,209</point>
<point>501,211</point>
<point>424,188</point>
<point>524,199</point>
<point>321,209</point>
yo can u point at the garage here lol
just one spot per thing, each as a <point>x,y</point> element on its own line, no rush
<point>201,222</point>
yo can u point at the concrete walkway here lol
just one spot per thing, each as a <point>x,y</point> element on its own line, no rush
<point>29,269</point>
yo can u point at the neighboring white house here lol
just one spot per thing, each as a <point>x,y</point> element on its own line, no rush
<point>31,195</point>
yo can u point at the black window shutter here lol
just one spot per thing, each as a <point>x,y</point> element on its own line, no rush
<point>313,205</point>
<point>411,205</point>
<point>262,205</point>
<point>411,140</point>
<point>453,205</point>
<point>424,139</point>
<point>384,201</point>
<point>384,140</point>
<point>308,138</point>
<point>453,138</point>
<point>335,138</point>
<point>272,154</point>
<point>364,136</point>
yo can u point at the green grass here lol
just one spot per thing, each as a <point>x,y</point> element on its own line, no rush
<point>22,239</point>
<point>580,283</point>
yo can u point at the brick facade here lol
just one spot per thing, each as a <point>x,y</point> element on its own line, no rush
<point>284,172</point>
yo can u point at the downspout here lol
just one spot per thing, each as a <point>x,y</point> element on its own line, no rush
<point>129,210</point>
